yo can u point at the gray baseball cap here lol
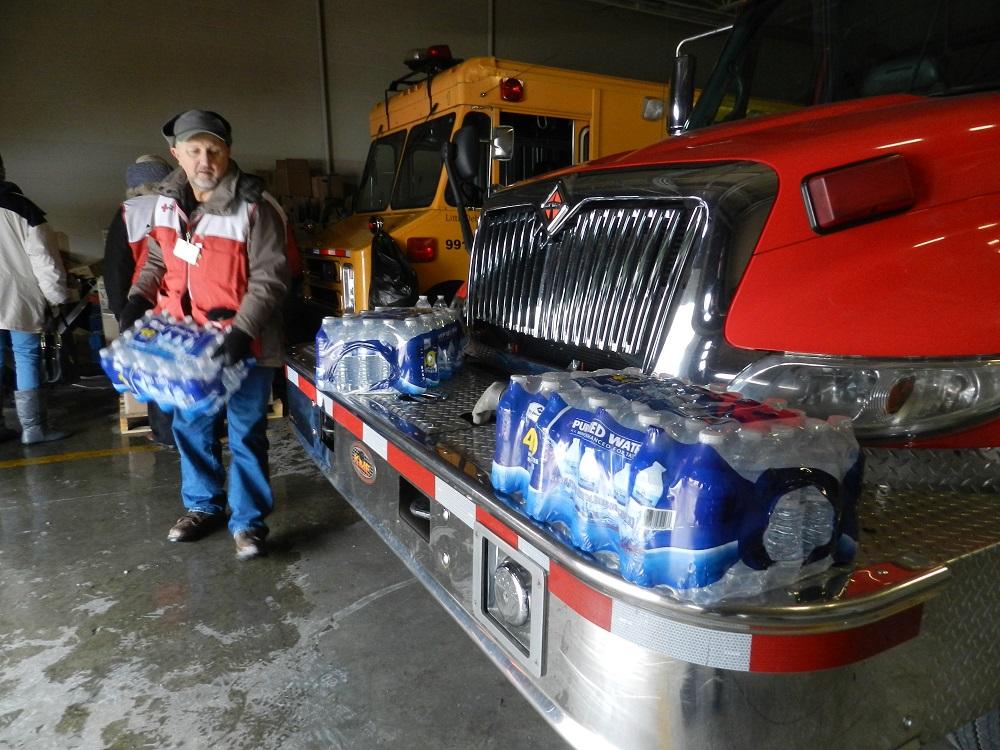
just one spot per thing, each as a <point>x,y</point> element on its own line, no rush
<point>181,127</point>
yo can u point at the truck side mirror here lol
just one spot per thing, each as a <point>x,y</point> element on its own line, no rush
<point>502,141</point>
<point>466,153</point>
<point>681,94</point>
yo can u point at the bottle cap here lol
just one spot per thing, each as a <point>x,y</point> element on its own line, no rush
<point>519,379</point>
<point>841,422</point>
<point>781,429</point>
<point>598,400</point>
<point>650,419</point>
<point>751,432</point>
<point>716,434</point>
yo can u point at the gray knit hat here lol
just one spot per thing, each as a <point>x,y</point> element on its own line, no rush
<point>148,168</point>
<point>187,124</point>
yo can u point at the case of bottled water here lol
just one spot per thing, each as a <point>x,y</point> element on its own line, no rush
<point>404,349</point>
<point>171,362</point>
<point>693,489</point>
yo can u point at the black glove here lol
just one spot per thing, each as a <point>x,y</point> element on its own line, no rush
<point>235,347</point>
<point>134,309</point>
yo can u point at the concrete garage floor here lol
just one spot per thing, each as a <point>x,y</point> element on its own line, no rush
<point>112,637</point>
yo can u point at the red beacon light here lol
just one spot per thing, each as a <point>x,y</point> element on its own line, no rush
<point>435,58</point>
<point>439,52</point>
<point>511,89</point>
<point>858,193</point>
<point>421,249</point>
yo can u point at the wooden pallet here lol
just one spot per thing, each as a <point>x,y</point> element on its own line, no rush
<point>133,417</point>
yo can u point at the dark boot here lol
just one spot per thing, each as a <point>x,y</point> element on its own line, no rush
<point>30,410</point>
<point>6,433</point>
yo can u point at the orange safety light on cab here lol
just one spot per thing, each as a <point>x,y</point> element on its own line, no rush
<point>858,193</point>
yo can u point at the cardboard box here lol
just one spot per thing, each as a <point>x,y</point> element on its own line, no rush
<point>335,187</point>
<point>292,178</point>
<point>109,325</point>
<point>319,189</point>
<point>267,175</point>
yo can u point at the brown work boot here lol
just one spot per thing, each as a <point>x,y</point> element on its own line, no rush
<point>194,525</point>
<point>250,544</point>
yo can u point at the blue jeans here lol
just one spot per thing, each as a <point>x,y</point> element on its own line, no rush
<point>202,474</point>
<point>27,348</point>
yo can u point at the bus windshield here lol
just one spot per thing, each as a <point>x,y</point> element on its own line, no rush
<point>380,172</point>
<point>807,52</point>
<point>420,167</point>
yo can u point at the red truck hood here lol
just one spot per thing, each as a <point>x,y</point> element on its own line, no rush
<point>918,284</point>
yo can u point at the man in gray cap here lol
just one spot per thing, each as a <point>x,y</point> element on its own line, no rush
<point>216,252</point>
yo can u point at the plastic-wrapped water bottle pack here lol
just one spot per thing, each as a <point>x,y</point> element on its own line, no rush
<point>403,349</point>
<point>693,489</point>
<point>170,361</point>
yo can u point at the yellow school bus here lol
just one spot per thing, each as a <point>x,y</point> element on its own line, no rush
<point>559,118</point>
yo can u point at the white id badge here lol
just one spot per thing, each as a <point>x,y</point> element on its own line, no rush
<point>187,252</point>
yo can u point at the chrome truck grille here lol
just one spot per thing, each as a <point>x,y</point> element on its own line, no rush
<point>603,279</point>
<point>618,267</point>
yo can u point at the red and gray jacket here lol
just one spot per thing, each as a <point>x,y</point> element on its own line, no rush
<point>125,248</point>
<point>241,275</point>
<point>137,213</point>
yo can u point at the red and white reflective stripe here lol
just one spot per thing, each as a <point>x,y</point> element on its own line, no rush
<point>307,388</point>
<point>745,652</point>
<point>417,474</point>
<point>334,252</point>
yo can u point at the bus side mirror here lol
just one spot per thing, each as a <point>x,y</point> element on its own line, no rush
<point>466,153</point>
<point>681,94</point>
<point>502,141</point>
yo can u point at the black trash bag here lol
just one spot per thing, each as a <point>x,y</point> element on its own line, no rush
<point>394,282</point>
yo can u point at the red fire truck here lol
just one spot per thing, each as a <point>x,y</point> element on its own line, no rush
<point>841,257</point>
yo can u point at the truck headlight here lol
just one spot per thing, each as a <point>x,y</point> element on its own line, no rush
<point>885,398</point>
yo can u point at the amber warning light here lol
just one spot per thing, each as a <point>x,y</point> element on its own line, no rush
<point>858,193</point>
<point>511,89</point>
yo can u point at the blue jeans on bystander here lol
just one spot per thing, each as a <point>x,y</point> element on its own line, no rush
<point>27,348</point>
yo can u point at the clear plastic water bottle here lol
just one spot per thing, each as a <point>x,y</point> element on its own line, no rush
<point>644,517</point>
<point>373,368</point>
<point>410,334</point>
<point>431,348</point>
<point>423,302</point>
<point>509,471</point>
<point>347,372</point>
<point>327,338</point>
<point>803,518</point>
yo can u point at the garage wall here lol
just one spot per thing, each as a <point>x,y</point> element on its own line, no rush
<point>87,85</point>
<point>368,41</point>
